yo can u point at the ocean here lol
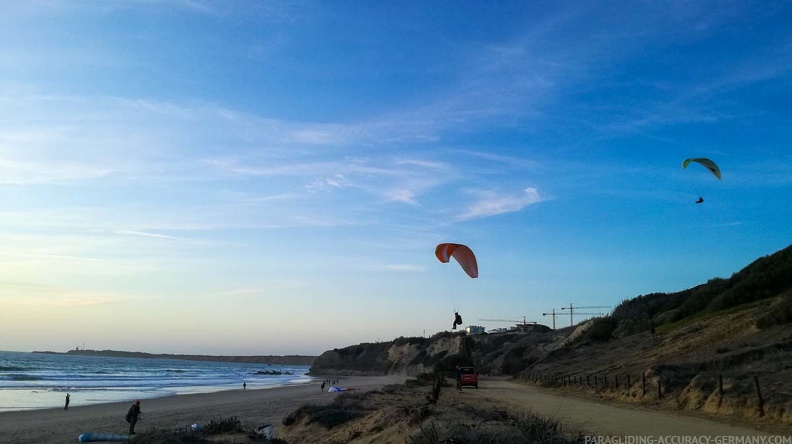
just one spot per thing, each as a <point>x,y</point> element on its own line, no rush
<point>31,381</point>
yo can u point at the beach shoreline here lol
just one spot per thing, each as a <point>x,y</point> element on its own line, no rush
<point>252,407</point>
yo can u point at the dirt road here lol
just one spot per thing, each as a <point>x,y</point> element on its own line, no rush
<point>596,418</point>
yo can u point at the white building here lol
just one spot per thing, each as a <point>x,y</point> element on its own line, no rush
<point>474,329</point>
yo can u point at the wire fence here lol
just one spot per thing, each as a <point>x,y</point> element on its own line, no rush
<point>639,386</point>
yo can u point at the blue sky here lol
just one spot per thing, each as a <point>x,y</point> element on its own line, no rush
<point>248,177</point>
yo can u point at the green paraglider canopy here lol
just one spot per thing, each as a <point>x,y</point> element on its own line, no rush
<point>707,163</point>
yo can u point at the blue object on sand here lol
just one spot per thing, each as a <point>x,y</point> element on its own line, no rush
<point>100,436</point>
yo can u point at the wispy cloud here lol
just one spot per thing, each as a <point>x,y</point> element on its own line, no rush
<point>25,294</point>
<point>492,204</point>
<point>404,196</point>
<point>337,181</point>
<point>151,235</point>
<point>273,286</point>
<point>406,268</point>
<point>16,172</point>
<point>503,160</point>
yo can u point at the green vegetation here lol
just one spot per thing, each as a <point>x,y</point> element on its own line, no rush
<point>343,409</point>
<point>779,314</point>
<point>766,277</point>
<point>602,329</point>
<point>521,428</point>
<point>540,429</point>
<point>515,360</point>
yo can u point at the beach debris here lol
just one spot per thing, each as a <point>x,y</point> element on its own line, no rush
<point>340,389</point>
<point>267,431</point>
<point>101,436</point>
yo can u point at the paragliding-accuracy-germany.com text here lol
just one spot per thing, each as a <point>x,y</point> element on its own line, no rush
<point>678,439</point>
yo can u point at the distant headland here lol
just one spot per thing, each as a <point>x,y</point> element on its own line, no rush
<point>277,360</point>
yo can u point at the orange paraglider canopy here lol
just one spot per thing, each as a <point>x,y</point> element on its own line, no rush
<point>462,254</point>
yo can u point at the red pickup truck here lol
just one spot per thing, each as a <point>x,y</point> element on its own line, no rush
<point>468,376</point>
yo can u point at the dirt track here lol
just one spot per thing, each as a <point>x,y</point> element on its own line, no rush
<point>595,418</point>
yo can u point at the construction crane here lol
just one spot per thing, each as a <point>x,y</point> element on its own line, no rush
<point>517,321</point>
<point>553,314</point>
<point>572,311</point>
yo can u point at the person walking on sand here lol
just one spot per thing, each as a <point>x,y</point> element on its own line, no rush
<point>66,407</point>
<point>323,384</point>
<point>132,416</point>
<point>244,386</point>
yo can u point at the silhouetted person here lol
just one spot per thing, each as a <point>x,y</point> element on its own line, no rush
<point>66,407</point>
<point>323,384</point>
<point>132,416</point>
<point>244,385</point>
<point>457,320</point>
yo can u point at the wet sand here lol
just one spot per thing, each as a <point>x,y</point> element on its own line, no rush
<point>252,407</point>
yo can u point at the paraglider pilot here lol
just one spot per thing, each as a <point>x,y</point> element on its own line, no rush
<point>457,320</point>
<point>700,199</point>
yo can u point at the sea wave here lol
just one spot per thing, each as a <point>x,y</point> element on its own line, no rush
<point>12,369</point>
<point>24,378</point>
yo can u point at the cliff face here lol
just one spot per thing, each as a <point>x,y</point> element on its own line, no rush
<point>408,356</point>
<point>493,354</point>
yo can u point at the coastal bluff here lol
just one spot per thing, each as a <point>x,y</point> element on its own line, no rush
<point>504,353</point>
<point>275,360</point>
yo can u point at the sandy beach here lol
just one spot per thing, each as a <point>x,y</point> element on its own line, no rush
<point>254,407</point>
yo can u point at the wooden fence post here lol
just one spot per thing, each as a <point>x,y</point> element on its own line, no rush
<point>596,380</point>
<point>588,381</point>
<point>659,388</point>
<point>616,383</point>
<point>643,384</point>
<point>628,381</point>
<point>720,385</point>
<point>759,395</point>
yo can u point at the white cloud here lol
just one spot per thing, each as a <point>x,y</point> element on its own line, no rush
<point>492,204</point>
<point>405,196</point>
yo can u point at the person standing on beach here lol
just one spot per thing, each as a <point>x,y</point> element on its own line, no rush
<point>132,416</point>
<point>66,407</point>
<point>244,386</point>
<point>323,384</point>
